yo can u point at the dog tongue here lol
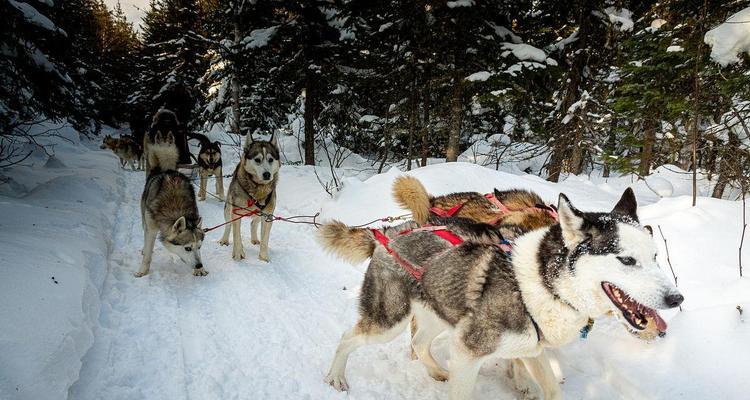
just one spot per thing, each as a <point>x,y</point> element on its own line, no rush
<point>660,323</point>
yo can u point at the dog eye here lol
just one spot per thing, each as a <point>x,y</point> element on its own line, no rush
<point>270,160</point>
<point>188,249</point>
<point>627,260</point>
<point>257,160</point>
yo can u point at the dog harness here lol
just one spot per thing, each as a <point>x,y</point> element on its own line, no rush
<point>502,208</point>
<point>442,231</point>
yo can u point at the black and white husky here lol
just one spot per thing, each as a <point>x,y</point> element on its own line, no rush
<point>586,266</point>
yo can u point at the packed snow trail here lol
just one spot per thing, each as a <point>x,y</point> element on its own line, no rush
<point>256,330</point>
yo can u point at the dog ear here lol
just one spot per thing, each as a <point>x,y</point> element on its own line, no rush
<point>158,137</point>
<point>218,144</point>
<point>248,139</point>
<point>179,225</point>
<point>627,205</point>
<point>571,221</point>
<point>649,229</point>
<point>273,140</point>
<point>170,138</point>
<point>199,222</point>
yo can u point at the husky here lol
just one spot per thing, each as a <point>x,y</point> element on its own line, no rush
<point>519,212</point>
<point>252,190</point>
<point>209,164</point>
<point>515,211</point>
<point>169,209</point>
<point>166,120</point>
<point>126,148</point>
<point>585,266</point>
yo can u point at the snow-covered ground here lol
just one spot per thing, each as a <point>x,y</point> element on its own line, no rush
<point>268,330</point>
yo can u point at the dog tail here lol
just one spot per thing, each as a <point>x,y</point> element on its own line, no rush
<point>162,153</point>
<point>410,194</point>
<point>354,245</point>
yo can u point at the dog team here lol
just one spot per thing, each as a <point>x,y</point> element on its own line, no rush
<point>505,274</point>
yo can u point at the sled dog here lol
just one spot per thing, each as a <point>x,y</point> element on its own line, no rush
<point>209,164</point>
<point>514,212</point>
<point>126,148</point>
<point>169,209</point>
<point>585,266</point>
<point>252,189</point>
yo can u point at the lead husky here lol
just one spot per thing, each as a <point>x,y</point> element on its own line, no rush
<point>168,208</point>
<point>253,189</point>
<point>586,266</point>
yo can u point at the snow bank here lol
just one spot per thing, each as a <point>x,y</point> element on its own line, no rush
<point>480,76</point>
<point>54,244</point>
<point>730,38</point>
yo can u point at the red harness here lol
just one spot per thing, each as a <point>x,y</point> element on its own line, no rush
<point>442,231</point>
<point>502,209</point>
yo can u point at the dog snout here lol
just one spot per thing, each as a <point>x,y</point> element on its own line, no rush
<point>199,266</point>
<point>673,300</point>
<point>267,175</point>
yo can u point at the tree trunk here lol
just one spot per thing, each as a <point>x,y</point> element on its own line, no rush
<point>611,145</point>
<point>426,128</point>
<point>647,154</point>
<point>412,126</point>
<point>457,112</point>
<point>309,116</point>
<point>236,125</point>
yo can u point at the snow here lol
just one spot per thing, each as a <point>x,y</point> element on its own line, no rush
<point>730,38</point>
<point>460,3</point>
<point>480,76</point>
<point>259,37</point>
<point>657,24</point>
<point>34,17</point>
<point>620,17</point>
<point>660,186</point>
<point>675,49</point>
<point>525,52</point>
<point>268,330</point>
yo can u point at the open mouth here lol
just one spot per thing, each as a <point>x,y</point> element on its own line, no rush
<point>637,315</point>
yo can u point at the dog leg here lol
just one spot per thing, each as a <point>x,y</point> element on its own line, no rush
<point>238,252</point>
<point>149,237</point>
<point>429,327</point>
<point>464,368</point>
<point>265,233</point>
<point>224,241</point>
<point>254,230</point>
<point>541,370</point>
<point>361,334</point>
<point>219,184</point>
<point>522,381</point>
<point>202,189</point>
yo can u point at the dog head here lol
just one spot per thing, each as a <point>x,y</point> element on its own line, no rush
<point>261,159</point>
<point>210,152</point>
<point>108,143</point>
<point>612,262</point>
<point>184,239</point>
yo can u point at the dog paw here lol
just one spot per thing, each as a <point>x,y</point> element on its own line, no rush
<point>238,254</point>
<point>202,198</point>
<point>338,383</point>
<point>223,242</point>
<point>440,375</point>
<point>255,241</point>
<point>263,257</point>
<point>139,274</point>
<point>199,272</point>
<point>220,196</point>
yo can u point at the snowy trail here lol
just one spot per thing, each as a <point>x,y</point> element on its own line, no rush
<point>248,330</point>
<point>261,330</point>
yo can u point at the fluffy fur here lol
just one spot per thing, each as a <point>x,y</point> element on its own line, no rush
<point>559,277</point>
<point>169,209</point>
<point>255,179</point>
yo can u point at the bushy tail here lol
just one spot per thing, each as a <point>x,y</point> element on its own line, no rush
<point>354,245</point>
<point>410,194</point>
<point>162,153</point>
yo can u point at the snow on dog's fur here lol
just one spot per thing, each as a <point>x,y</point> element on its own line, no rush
<point>589,265</point>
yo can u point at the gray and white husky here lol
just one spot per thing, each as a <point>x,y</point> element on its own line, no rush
<point>169,209</point>
<point>253,188</point>
<point>586,266</point>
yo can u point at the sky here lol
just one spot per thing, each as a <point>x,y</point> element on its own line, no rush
<point>134,10</point>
